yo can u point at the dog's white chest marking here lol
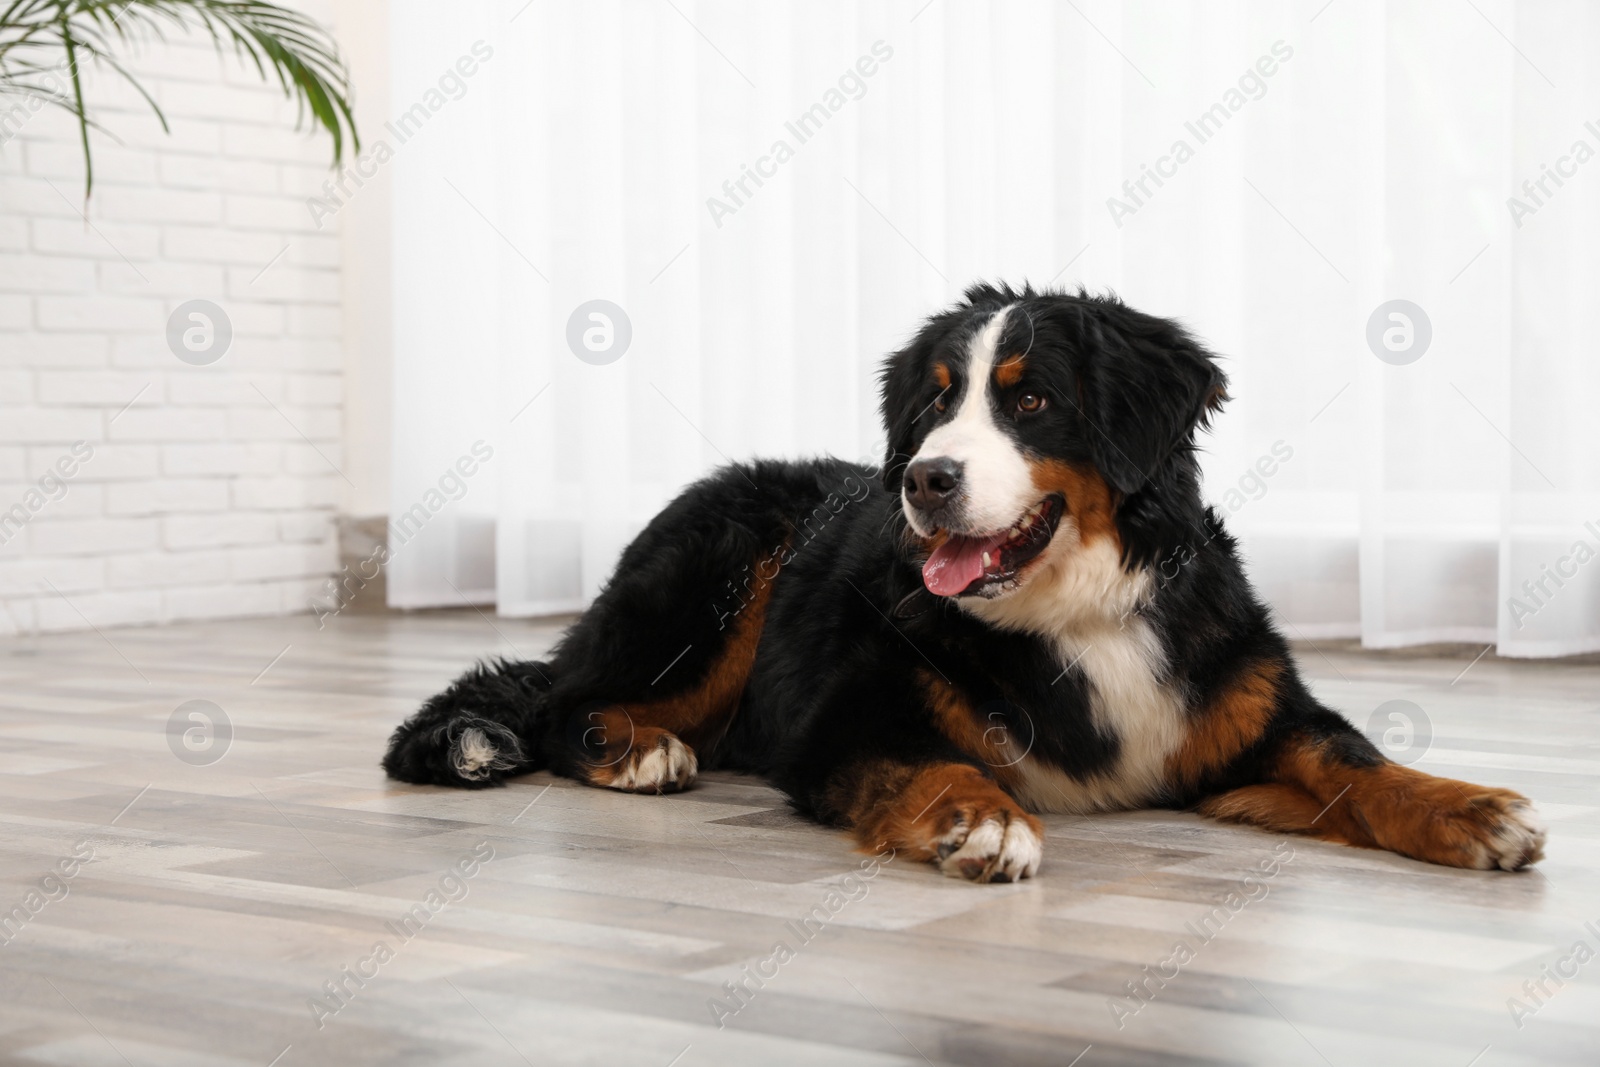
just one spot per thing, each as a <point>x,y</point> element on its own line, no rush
<point>1131,702</point>
<point>1082,604</point>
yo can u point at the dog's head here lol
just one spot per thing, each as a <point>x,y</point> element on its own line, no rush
<point>1015,416</point>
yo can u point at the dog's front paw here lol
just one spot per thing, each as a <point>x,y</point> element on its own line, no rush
<point>656,762</point>
<point>951,815</point>
<point>999,847</point>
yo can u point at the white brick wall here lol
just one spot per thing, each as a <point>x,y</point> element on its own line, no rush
<point>212,494</point>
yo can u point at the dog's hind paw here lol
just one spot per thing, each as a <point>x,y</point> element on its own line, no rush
<point>656,762</point>
<point>480,748</point>
<point>1512,836</point>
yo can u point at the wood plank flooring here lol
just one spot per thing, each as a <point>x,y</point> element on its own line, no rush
<point>284,904</point>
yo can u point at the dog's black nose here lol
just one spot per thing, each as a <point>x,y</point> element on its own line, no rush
<point>929,482</point>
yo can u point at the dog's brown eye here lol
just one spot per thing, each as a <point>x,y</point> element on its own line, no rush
<point>939,403</point>
<point>1030,402</point>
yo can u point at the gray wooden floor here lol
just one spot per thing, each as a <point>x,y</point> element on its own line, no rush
<point>222,897</point>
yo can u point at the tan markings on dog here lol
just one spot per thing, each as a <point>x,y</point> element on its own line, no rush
<point>1090,502</point>
<point>863,799</point>
<point>1389,806</point>
<point>702,712</point>
<point>944,813</point>
<point>1230,723</point>
<point>642,759</point>
<point>613,731</point>
<point>1009,373</point>
<point>925,546</point>
<point>991,741</point>
<point>1286,809</point>
<point>941,375</point>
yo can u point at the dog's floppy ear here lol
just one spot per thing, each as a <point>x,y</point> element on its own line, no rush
<point>1145,387</point>
<point>904,386</point>
<point>901,388</point>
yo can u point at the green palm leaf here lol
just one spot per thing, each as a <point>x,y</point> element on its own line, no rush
<point>40,39</point>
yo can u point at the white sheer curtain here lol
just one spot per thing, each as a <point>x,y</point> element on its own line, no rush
<point>1335,157</point>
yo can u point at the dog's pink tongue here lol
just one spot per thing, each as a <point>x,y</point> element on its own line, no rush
<point>957,563</point>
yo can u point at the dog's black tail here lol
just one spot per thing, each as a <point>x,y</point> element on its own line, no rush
<point>484,728</point>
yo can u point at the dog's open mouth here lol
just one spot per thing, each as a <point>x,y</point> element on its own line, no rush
<point>966,563</point>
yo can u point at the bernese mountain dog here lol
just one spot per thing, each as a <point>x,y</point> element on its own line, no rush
<point>1028,608</point>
